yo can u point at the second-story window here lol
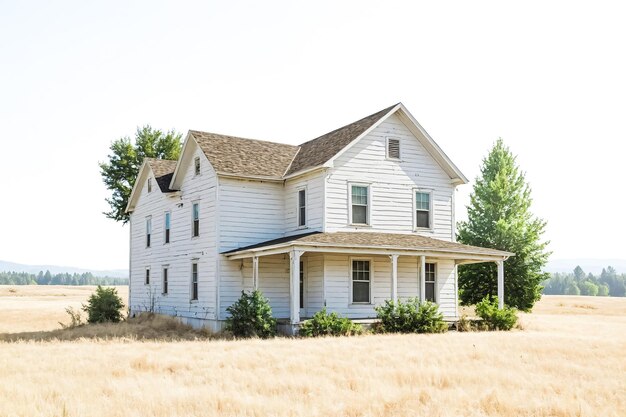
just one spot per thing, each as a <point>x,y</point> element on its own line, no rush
<point>148,231</point>
<point>168,219</point>
<point>422,210</point>
<point>196,164</point>
<point>302,208</point>
<point>195,226</point>
<point>359,200</point>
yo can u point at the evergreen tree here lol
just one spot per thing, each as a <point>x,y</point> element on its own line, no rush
<point>499,217</point>
<point>120,172</point>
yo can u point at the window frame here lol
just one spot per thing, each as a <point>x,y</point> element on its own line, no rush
<point>301,225</point>
<point>196,166</point>
<point>146,276</point>
<point>196,289</point>
<point>434,282</point>
<point>149,184</point>
<point>167,229</point>
<point>195,204</point>
<point>368,214</point>
<point>399,158</point>
<point>148,240</point>
<point>165,280</point>
<point>371,281</point>
<point>431,214</point>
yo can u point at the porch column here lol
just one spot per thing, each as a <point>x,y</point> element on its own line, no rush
<point>500,284</point>
<point>294,279</point>
<point>255,272</point>
<point>422,278</point>
<point>394,277</point>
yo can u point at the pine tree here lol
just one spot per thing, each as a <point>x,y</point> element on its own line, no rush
<point>499,217</point>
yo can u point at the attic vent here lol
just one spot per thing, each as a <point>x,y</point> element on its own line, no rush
<point>393,148</point>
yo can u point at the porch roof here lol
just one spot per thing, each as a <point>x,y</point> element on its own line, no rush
<point>368,242</point>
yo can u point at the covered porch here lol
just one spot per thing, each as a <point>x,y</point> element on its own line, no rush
<point>351,272</point>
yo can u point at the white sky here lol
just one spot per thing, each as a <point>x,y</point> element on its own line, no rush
<point>548,77</point>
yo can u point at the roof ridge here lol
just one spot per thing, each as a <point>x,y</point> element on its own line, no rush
<point>241,138</point>
<point>387,109</point>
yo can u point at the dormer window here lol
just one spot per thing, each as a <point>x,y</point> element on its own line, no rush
<point>196,163</point>
<point>393,148</point>
<point>149,185</point>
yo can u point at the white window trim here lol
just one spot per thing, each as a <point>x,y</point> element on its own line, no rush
<point>431,218</point>
<point>199,171</point>
<point>306,207</point>
<point>436,282</point>
<point>163,269</point>
<point>193,203</point>
<point>148,274</point>
<point>369,204</point>
<point>387,148</point>
<point>194,261</point>
<point>360,303</point>
<point>148,221</point>
<point>165,242</point>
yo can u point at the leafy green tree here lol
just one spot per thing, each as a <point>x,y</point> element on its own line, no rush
<point>603,290</point>
<point>588,288</point>
<point>499,217</point>
<point>126,157</point>
<point>572,289</point>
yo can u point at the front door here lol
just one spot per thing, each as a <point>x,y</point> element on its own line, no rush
<point>302,291</point>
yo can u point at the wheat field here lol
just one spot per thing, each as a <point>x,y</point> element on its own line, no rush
<point>569,360</point>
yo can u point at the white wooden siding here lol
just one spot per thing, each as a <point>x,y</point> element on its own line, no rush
<point>392,184</point>
<point>314,184</point>
<point>182,250</point>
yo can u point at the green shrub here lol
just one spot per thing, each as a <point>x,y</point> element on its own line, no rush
<point>324,324</point>
<point>410,317</point>
<point>495,318</point>
<point>104,305</point>
<point>251,316</point>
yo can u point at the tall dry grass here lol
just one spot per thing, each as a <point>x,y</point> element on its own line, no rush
<point>563,364</point>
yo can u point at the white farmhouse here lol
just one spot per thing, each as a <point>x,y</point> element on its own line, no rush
<point>360,215</point>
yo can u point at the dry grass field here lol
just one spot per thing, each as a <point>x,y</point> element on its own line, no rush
<point>570,360</point>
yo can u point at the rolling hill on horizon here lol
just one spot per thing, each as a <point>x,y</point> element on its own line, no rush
<point>6,266</point>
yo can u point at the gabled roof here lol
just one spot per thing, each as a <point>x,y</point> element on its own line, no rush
<point>163,169</point>
<point>372,240</point>
<point>230,155</point>
<point>318,151</point>
<point>249,157</point>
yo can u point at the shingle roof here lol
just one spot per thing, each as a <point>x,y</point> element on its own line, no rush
<point>376,240</point>
<point>163,170</point>
<point>234,155</point>
<point>318,151</point>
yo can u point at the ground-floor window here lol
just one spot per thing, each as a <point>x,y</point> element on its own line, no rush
<point>194,281</point>
<point>430,282</point>
<point>165,270</point>
<point>361,280</point>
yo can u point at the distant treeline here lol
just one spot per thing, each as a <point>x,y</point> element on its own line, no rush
<point>46,278</point>
<point>608,283</point>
